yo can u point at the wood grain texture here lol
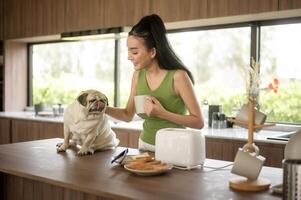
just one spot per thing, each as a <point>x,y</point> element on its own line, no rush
<point>221,8</point>
<point>179,10</point>
<point>123,137</point>
<point>226,149</point>
<point>5,131</point>
<point>1,20</point>
<point>38,161</point>
<point>15,81</point>
<point>84,15</point>
<point>289,4</point>
<point>46,17</point>
<point>33,18</point>
<point>26,130</point>
<point>26,189</point>
<point>134,138</point>
<point>95,14</point>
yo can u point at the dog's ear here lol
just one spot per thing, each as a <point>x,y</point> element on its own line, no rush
<point>107,100</point>
<point>82,99</point>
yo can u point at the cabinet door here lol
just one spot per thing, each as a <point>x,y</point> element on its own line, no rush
<point>123,137</point>
<point>26,130</point>
<point>224,149</point>
<point>273,153</point>
<point>5,131</point>
<point>134,138</point>
<point>33,18</point>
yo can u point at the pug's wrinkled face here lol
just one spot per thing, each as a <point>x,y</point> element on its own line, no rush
<point>94,101</point>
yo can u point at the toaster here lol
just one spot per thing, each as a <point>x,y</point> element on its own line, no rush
<point>184,148</point>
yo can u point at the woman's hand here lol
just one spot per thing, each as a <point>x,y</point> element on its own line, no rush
<point>153,107</point>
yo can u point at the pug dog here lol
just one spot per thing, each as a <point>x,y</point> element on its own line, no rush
<point>86,124</point>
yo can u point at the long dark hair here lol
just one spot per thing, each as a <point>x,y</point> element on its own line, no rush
<point>151,28</point>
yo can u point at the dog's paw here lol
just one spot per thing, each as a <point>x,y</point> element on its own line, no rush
<point>61,147</point>
<point>58,145</point>
<point>84,151</point>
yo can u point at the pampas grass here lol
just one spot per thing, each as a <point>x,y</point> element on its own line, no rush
<point>253,80</point>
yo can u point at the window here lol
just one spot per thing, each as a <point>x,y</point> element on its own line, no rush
<point>126,73</point>
<point>216,58</point>
<point>280,58</point>
<point>60,71</point>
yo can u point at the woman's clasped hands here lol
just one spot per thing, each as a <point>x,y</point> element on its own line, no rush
<point>153,107</point>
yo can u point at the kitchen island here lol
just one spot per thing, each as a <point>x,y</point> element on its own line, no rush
<point>34,170</point>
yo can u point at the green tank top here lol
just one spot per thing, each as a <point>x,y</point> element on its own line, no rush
<point>168,99</point>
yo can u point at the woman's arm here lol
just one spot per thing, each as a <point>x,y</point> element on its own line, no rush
<point>127,113</point>
<point>184,88</point>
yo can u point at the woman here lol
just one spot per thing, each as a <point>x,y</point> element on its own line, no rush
<point>160,74</point>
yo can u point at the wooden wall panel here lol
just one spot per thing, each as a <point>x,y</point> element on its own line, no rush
<point>135,10</point>
<point>94,14</point>
<point>15,80</point>
<point>46,17</point>
<point>115,13</point>
<point>221,8</point>
<point>12,21</point>
<point>33,18</point>
<point>180,10</point>
<point>289,4</point>
<point>1,19</point>
<point>84,15</point>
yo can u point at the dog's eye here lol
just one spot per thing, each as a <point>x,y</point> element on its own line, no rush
<point>92,100</point>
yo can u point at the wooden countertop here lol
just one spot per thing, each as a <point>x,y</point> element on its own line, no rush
<point>38,160</point>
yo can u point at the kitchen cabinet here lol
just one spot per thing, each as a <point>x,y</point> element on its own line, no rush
<point>123,137</point>
<point>289,4</point>
<point>134,138</point>
<point>225,149</point>
<point>33,18</point>
<point>26,130</point>
<point>5,131</point>
<point>127,137</point>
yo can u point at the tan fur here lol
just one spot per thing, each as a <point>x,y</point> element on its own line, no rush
<point>90,130</point>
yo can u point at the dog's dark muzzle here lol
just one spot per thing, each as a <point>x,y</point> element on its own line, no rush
<point>97,106</point>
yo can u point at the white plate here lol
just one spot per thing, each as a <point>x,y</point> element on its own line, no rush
<point>167,168</point>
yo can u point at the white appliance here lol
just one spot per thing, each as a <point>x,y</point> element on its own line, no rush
<point>181,147</point>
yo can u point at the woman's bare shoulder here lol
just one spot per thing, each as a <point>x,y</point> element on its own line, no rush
<point>180,75</point>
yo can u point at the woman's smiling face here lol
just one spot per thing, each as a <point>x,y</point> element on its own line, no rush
<point>138,54</point>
